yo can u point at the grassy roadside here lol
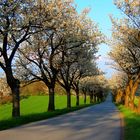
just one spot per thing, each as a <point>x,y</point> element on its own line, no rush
<point>132,124</point>
<point>12,122</point>
<point>35,108</point>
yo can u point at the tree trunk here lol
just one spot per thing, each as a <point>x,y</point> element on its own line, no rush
<point>98,99</point>
<point>14,85</point>
<point>94,98</point>
<point>91,98</point>
<point>77,97</point>
<point>15,97</point>
<point>51,105</point>
<point>119,96</point>
<point>16,102</point>
<point>127,93</point>
<point>126,100</point>
<point>68,98</point>
<point>132,96</point>
<point>85,98</point>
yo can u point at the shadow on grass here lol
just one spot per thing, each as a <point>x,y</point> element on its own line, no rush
<point>13,122</point>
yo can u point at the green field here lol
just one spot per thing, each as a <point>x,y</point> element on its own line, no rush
<point>36,104</point>
<point>132,124</point>
<point>35,108</point>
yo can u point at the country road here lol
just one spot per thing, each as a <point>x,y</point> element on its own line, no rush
<point>98,122</point>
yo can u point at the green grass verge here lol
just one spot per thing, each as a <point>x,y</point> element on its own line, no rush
<point>136,101</point>
<point>35,108</point>
<point>132,124</point>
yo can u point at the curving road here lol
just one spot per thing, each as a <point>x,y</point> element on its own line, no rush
<point>98,122</point>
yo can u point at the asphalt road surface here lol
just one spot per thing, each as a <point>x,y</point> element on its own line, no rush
<point>98,122</point>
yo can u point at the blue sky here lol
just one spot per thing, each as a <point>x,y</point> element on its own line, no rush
<point>100,11</point>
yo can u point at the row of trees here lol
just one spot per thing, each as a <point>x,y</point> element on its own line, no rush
<point>126,52</point>
<point>95,86</point>
<point>46,41</point>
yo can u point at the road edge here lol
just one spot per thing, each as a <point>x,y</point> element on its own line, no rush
<point>122,123</point>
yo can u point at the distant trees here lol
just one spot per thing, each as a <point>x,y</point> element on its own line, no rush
<point>78,58</point>
<point>95,86</point>
<point>85,67</point>
<point>126,49</point>
<point>78,63</point>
